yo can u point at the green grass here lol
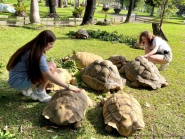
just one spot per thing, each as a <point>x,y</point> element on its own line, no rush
<point>164,118</point>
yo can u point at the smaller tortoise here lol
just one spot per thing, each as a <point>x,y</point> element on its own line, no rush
<point>63,75</point>
<point>67,107</point>
<point>142,72</point>
<point>119,61</point>
<point>139,46</point>
<point>102,75</point>
<point>84,59</point>
<point>122,112</point>
<point>81,34</point>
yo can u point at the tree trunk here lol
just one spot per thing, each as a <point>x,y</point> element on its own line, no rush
<point>52,7</point>
<point>47,3</point>
<point>52,10</point>
<point>152,12</point>
<point>129,11</point>
<point>77,3</point>
<point>164,4</point>
<point>121,2</point>
<point>60,3</point>
<point>89,12</point>
<point>158,31</point>
<point>65,3</point>
<point>34,12</point>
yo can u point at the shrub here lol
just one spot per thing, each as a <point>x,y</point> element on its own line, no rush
<point>78,11</point>
<point>20,8</point>
<point>110,36</point>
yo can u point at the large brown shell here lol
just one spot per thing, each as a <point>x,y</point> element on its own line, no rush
<point>84,59</point>
<point>67,107</point>
<point>143,72</point>
<point>123,112</point>
<point>102,75</point>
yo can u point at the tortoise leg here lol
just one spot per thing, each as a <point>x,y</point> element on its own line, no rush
<point>78,124</point>
<point>135,83</point>
<point>108,128</point>
<point>107,91</point>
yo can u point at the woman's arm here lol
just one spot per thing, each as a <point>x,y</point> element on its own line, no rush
<point>53,78</point>
<point>152,52</point>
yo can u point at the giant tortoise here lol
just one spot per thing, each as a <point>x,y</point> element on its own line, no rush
<point>142,72</point>
<point>103,76</point>
<point>122,112</point>
<point>63,75</point>
<point>67,107</point>
<point>84,59</point>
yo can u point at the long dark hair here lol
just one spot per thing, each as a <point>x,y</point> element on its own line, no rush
<point>36,48</point>
<point>149,37</point>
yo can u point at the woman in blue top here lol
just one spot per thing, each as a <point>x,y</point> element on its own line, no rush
<point>156,49</point>
<point>28,67</point>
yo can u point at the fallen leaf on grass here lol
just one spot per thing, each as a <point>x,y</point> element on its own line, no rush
<point>147,104</point>
<point>50,131</point>
<point>5,128</point>
<point>20,129</point>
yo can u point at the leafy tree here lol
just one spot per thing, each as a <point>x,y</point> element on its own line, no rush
<point>153,4</point>
<point>180,4</point>
<point>157,28</point>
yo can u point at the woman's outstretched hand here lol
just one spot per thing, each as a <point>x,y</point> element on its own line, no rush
<point>74,88</point>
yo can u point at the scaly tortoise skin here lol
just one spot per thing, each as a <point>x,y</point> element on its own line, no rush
<point>103,76</point>
<point>81,34</point>
<point>84,59</point>
<point>123,112</point>
<point>142,72</point>
<point>67,107</point>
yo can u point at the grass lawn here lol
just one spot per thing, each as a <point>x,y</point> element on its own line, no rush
<point>163,119</point>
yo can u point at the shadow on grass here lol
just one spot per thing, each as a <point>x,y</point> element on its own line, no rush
<point>95,116</point>
<point>23,116</point>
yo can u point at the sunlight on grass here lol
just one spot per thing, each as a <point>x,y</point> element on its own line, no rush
<point>163,109</point>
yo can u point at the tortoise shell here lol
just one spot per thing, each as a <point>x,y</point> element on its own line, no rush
<point>142,72</point>
<point>123,112</point>
<point>63,75</point>
<point>67,107</point>
<point>102,75</point>
<point>81,34</point>
<point>84,59</point>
